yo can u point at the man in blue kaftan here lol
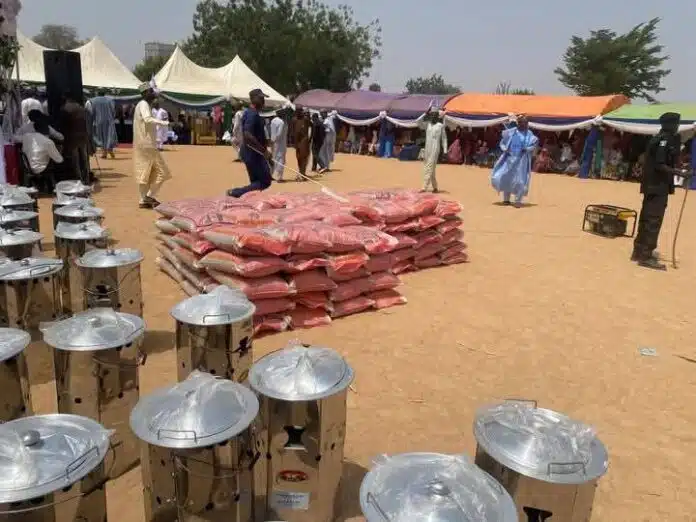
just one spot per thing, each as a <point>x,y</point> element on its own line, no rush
<point>104,123</point>
<point>512,172</point>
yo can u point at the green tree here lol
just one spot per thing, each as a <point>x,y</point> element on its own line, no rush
<point>55,36</point>
<point>375,87</point>
<point>507,88</point>
<point>294,45</point>
<point>611,63</point>
<point>434,84</point>
<point>150,66</point>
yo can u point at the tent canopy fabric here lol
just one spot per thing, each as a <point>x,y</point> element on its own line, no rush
<point>562,107</point>
<point>366,102</point>
<point>319,99</point>
<point>414,105</point>
<point>652,113</point>
<point>181,76</point>
<point>100,67</point>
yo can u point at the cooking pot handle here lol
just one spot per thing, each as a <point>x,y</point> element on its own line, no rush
<point>372,500</point>
<point>205,317</point>
<point>79,461</point>
<point>140,360</point>
<point>573,463</point>
<point>531,402</point>
<point>160,434</point>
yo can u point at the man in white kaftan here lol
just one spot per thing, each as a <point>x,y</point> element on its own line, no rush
<point>162,130</point>
<point>329,146</point>
<point>149,167</point>
<point>435,144</point>
<point>237,133</point>
<point>279,141</point>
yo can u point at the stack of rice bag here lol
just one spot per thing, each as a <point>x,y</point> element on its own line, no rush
<point>305,259</point>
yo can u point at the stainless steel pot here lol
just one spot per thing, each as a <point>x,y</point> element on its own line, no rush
<point>79,214</point>
<point>19,244</point>
<point>62,200</point>
<point>29,296</point>
<point>73,240</point>
<point>97,357</point>
<point>73,188</point>
<point>17,198</point>
<point>214,334</point>
<point>549,463</point>
<point>111,278</point>
<point>11,219</point>
<point>303,393</point>
<point>433,487</point>
<point>15,394</point>
<point>51,470</point>
<point>199,450</point>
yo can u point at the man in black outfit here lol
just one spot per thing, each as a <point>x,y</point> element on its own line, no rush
<point>661,156</point>
<point>318,136</point>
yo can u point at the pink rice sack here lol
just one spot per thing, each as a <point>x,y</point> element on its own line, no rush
<point>386,299</point>
<point>302,317</point>
<point>273,306</point>
<point>352,306</point>
<point>311,281</point>
<point>230,263</point>
<point>268,287</point>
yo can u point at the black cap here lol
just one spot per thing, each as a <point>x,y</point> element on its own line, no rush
<point>670,117</point>
<point>257,92</point>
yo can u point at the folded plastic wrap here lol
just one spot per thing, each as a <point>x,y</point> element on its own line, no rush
<point>430,486</point>
<point>556,438</point>
<point>187,407</point>
<point>27,466</point>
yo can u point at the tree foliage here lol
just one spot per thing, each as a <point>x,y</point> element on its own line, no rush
<point>375,87</point>
<point>611,63</point>
<point>146,69</point>
<point>507,88</point>
<point>63,37</point>
<point>434,84</point>
<point>294,45</point>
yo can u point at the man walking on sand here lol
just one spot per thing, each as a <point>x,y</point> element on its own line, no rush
<point>435,145</point>
<point>150,169</point>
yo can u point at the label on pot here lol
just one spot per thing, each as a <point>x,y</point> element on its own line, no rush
<point>290,500</point>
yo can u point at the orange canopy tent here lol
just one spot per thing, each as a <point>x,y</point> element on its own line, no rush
<point>547,107</point>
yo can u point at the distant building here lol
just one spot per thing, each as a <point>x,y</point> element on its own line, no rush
<point>157,49</point>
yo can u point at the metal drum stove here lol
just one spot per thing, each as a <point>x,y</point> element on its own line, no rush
<point>303,410</point>
<point>97,361</point>
<point>29,296</point>
<point>73,240</point>
<point>62,200</point>
<point>79,214</point>
<point>20,243</point>
<point>11,219</point>
<point>550,464</point>
<point>52,469</point>
<point>111,278</point>
<point>214,334</point>
<point>199,450</point>
<point>433,486</point>
<point>15,396</point>
<point>76,189</point>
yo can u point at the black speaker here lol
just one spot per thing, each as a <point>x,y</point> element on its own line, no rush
<point>63,71</point>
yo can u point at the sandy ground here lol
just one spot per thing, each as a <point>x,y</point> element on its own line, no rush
<point>543,311</point>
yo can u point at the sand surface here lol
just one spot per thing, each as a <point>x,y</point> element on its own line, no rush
<point>543,311</point>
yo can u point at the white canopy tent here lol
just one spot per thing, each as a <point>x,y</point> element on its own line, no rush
<point>180,75</point>
<point>100,67</point>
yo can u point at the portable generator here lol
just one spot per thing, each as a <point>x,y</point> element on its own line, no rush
<point>609,220</point>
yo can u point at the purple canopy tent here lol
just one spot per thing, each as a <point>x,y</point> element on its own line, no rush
<point>365,104</point>
<point>412,106</point>
<point>319,99</point>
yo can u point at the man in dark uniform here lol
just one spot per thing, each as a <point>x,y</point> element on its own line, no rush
<point>661,156</point>
<point>253,151</point>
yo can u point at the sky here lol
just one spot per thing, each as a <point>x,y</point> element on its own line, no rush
<point>474,45</point>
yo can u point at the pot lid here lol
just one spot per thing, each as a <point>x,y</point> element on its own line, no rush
<point>88,230</point>
<point>28,190</point>
<point>201,411</point>
<point>68,199</point>
<point>14,196</point>
<point>110,257</point>
<point>45,453</point>
<point>433,487</point>
<point>300,373</point>
<point>72,187</point>
<point>222,305</point>
<point>540,443</point>
<point>79,211</point>
<point>93,330</point>
<point>12,216</point>
<point>19,236</point>
<point>29,268</point>
<point>12,342</point>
